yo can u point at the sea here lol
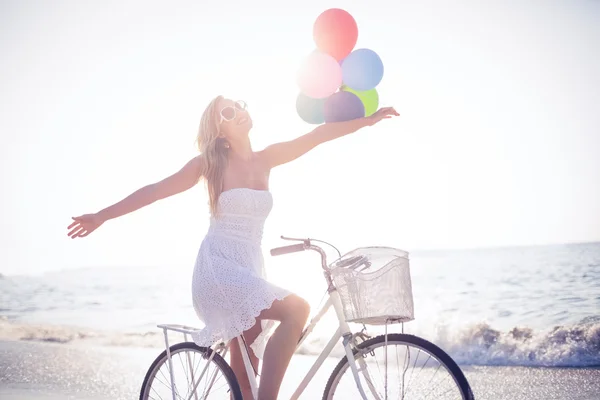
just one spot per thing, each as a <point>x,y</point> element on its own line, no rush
<point>511,306</point>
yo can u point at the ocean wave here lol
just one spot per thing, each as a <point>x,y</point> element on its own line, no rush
<point>77,335</point>
<point>478,344</point>
<point>562,346</point>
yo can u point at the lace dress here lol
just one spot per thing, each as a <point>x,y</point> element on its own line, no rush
<point>229,286</point>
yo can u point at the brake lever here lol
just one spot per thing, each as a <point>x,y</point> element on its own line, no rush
<point>351,263</point>
<point>305,241</point>
<point>367,265</point>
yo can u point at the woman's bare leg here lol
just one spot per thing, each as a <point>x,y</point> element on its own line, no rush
<point>292,313</point>
<point>237,362</point>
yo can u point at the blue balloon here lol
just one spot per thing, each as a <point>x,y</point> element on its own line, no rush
<point>362,70</point>
<point>343,106</point>
<point>310,110</point>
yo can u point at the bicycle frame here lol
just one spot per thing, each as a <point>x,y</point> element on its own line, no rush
<point>343,331</point>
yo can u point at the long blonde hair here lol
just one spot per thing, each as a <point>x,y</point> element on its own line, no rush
<point>214,151</point>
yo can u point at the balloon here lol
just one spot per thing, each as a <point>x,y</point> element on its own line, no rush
<point>369,98</point>
<point>343,106</point>
<point>320,75</point>
<point>310,110</point>
<point>362,70</point>
<point>335,32</point>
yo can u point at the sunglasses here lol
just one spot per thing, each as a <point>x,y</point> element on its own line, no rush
<point>229,113</point>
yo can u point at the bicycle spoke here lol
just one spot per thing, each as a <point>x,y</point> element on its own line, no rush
<point>412,370</point>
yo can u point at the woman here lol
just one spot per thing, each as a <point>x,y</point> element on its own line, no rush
<point>230,292</point>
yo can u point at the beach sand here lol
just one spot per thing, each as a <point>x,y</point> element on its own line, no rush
<point>51,371</point>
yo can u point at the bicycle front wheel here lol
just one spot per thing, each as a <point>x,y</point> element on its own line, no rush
<point>407,368</point>
<point>196,376</point>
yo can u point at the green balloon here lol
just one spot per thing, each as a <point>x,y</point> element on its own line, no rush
<point>370,99</point>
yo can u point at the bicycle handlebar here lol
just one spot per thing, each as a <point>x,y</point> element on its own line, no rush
<point>293,248</point>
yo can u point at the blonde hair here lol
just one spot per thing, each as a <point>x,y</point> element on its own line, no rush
<point>214,152</point>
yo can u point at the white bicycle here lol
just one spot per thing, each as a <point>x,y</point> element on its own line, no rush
<point>368,286</point>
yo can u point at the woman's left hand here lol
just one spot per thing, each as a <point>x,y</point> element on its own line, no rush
<point>382,113</point>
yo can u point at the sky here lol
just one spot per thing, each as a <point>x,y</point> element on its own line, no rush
<point>497,143</point>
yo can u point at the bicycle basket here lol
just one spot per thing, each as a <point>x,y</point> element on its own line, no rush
<point>374,285</point>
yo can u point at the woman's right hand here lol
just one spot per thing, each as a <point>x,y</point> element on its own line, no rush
<point>84,225</point>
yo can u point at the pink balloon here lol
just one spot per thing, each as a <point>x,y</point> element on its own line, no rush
<point>320,75</point>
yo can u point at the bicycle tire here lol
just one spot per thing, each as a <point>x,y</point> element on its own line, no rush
<point>416,341</point>
<point>206,352</point>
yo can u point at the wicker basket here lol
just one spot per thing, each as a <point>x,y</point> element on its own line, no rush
<point>374,285</point>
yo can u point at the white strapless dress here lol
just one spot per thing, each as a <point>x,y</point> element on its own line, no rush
<point>229,286</point>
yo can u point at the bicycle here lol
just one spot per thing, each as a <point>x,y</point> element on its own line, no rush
<point>368,286</point>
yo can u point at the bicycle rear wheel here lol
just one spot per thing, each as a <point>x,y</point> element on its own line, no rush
<point>416,369</point>
<point>196,375</point>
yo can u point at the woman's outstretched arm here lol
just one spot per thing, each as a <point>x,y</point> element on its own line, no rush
<point>180,181</point>
<point>284,152</point>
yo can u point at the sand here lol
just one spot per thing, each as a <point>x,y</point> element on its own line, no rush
<point>51,371</point>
